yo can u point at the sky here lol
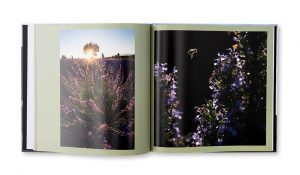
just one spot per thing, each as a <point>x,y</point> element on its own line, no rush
<point>110,41</point>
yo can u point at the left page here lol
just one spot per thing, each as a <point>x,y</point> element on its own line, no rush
<point>93,88</point>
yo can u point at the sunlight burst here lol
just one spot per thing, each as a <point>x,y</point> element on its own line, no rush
<point>90,54</point>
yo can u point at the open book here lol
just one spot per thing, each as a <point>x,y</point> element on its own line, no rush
<point>120,89</point>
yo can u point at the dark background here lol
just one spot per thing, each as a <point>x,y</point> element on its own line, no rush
<point>171,47</point>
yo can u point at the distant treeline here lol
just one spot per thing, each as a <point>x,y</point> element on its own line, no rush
<point>118,56</point>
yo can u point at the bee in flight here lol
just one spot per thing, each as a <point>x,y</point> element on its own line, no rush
<point>191,52</point>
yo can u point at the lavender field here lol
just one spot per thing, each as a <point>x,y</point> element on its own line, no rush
<point>97,103</point>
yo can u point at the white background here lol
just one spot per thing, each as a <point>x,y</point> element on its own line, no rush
<point>286,14</point>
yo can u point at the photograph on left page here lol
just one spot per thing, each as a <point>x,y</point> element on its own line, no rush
<point>97,85</point>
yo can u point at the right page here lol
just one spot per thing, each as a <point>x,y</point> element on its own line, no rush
<point>213,88</point>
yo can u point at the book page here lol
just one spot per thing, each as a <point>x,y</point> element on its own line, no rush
<point>213,88</point>
<point>93,88</point>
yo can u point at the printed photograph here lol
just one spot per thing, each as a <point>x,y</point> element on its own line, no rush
<point>97,80</point>
<point>210,88</point>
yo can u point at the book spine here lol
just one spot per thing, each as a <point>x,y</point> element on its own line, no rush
<point>275,93</point>
<point>24,63</point>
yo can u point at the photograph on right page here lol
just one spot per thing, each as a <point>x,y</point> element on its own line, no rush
<point>209,88</point>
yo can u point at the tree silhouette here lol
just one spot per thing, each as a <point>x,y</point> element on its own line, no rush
<point>91,49</point>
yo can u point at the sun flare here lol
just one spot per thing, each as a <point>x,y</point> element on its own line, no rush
<point>90,54</point>
<point>90,50</point>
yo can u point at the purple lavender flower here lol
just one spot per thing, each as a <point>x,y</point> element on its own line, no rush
<point>213,118</point>
<point>167,79</point>
<point>176,113</point>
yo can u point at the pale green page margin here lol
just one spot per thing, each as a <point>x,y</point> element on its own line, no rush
<point>48,88</point>
<point>270,89</point>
